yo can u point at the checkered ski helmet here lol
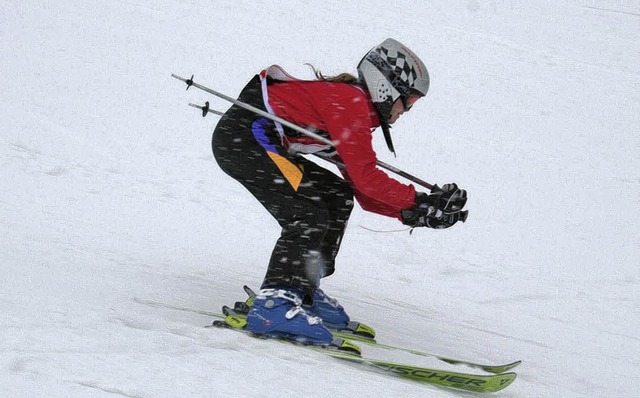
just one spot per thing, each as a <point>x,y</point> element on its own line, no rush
<point>391,71</point>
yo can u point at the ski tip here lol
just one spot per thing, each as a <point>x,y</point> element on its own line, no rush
<point>504,381</point>
<point>501,368</point>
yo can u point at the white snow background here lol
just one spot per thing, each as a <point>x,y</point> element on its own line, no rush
<point>111,198</point>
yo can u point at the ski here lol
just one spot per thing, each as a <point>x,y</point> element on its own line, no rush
<point>443,378</point>
<point>487,368</point>
<point>363,333</point>
<point>342,349</point>
<point>347,335</point>
<point>358,332</point>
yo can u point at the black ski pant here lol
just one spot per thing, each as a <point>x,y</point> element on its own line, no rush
<point>311,204</point>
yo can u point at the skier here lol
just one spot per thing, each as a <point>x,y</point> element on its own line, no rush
<point>311,203</point>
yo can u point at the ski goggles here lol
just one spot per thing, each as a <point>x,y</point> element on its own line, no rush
<point>408,101</point>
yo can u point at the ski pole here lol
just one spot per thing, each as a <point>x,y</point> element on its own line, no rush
<point>205,109</point>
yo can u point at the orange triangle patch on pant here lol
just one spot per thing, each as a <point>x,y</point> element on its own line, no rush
<point>290,171</point>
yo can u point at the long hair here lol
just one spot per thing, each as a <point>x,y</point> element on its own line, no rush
<point>347,78</point>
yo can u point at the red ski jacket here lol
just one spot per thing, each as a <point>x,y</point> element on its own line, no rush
<point>346,113</point>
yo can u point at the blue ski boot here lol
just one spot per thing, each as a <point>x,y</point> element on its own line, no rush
<point>327,308</point>
<point>279,313</point>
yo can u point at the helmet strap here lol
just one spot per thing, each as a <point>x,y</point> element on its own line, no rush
<point>387,136</point>
<point>384,110</point>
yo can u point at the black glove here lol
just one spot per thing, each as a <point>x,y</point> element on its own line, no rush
<point>449,198</point>
<point>446,220</point>
<point>440,209</point>
<point>436,220</point>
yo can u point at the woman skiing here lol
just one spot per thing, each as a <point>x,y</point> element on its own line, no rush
<point>311,203</point>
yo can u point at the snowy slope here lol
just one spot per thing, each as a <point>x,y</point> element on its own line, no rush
<point>111,196</point>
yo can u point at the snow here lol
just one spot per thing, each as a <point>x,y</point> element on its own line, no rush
<point>111,198</point>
